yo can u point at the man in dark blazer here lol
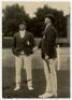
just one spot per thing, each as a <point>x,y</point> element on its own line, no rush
<point>23,44</point>
<point>49,56</point>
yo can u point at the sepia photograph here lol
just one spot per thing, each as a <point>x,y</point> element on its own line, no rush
<point>35,49</point>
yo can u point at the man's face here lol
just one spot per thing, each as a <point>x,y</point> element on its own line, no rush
<point>22,27</point>
<point>47,20</point>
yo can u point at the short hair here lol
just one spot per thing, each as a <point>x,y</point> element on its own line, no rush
<point>24,23</point>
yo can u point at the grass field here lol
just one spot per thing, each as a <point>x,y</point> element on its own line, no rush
<point>63,76</point>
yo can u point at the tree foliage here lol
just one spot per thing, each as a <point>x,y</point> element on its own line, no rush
<point>14,15</point>
<point>60,21</point>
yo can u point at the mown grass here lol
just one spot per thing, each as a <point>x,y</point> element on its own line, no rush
<point>8,76</point>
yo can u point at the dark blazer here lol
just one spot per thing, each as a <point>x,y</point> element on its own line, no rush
<point>48,42</point>
<point>21,44</point>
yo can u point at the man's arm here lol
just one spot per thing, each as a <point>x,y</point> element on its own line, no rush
<point>14,49</point>
<point>33,44</point>
<point>14,45</point>
<point>51,35</point>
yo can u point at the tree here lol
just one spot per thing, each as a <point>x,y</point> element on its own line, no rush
<point>15,14</point>
<point>59,19</point>
<point>12,17</point>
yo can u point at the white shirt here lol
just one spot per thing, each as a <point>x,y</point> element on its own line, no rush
<point>22,33</point>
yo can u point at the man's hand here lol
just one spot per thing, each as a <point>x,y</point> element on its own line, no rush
<point>46,57</point>
<point>35,49</point>
<point>22,53</point>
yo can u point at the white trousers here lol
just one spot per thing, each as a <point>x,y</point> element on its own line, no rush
<point>27,61</point>
<point>51,77</point>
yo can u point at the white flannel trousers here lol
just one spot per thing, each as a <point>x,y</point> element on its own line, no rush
<point>51,77</point>
<point>27,61</point>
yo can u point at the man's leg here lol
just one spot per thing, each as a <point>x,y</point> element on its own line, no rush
<point>28,67</point>
<point>47,76</point>
<point>48,91</point>
<point>18,63</point>
<point>53,76</point>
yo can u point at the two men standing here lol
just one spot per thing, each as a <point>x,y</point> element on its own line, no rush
<point>23,49</point>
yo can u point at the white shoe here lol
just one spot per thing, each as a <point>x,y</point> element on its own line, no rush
<point>30,88</point>
<point>46,95</point>
<point>16,88</point>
